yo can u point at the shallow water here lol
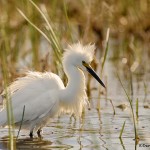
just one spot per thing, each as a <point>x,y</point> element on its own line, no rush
<point>98,129</point>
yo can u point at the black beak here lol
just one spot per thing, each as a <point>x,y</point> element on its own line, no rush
<point>93,73</point>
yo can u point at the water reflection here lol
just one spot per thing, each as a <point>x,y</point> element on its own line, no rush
<point>27,143</point>
<point>99,128</point>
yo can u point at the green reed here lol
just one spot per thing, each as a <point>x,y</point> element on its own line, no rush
<point>103,63</point>
<point>67,20</point>
<point>133,117</point>
<point>137,109</point>
<point>5,76</point>
<point>128,11</point>
<point>49,35</point>
<point>122,129</point>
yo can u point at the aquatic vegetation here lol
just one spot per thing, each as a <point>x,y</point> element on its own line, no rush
<point>32,37</point>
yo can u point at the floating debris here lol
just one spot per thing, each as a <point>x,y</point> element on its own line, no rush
<point>122,106</point>
<point>147,106</point>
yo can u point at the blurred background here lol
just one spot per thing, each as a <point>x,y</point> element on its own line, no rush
<point>22,47</point>
<point>33,37</point>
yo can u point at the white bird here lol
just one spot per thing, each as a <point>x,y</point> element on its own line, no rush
<point>44,95</point>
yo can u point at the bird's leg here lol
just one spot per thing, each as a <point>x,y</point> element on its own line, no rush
<point>31,134</point>
<point>73,116</point>
<point>39,133</point>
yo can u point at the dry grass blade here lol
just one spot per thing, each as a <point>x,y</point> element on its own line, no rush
<point>46,37</point>
<point>21,122</point>
<point>40,31</point>
<point>54,38</point>
<point>112,106</point>
<point>106,50</point>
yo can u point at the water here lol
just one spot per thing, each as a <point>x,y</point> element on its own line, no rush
<point>97,129</point>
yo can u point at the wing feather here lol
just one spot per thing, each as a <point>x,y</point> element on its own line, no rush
<point>37,92</point>
<point>39,107</point>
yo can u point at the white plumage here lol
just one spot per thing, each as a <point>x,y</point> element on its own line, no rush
<point>44,94</point>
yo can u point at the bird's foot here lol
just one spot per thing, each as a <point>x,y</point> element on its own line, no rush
<point>39,133</point>
<point>73,116</point>
<point>31,134</point>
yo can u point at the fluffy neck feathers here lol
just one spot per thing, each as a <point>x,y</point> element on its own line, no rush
<point>74,95</point>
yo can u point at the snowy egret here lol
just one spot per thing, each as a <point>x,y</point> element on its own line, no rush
<point>44,95</point>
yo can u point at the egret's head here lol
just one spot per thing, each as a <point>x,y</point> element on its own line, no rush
<point>77,53</point>
<point>80,56</point>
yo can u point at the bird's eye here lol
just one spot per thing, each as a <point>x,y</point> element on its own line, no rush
<point>83,62</point>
